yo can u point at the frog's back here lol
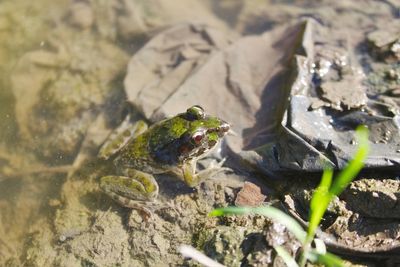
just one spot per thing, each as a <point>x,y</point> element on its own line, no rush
<point>166,132</point>
<point>154,151</point>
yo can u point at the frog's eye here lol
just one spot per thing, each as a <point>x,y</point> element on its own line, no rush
<point>197,137</point>
<point>195,112</point>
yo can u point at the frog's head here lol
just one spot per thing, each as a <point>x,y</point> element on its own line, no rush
<point>203,133</point>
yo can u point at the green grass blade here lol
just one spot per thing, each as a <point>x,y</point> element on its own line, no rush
<point>287,258</point>
<point>273,213</point>
<point>355,165</point>
<point>326,190</point>
<point>229,211</point>
<point>327,259</point>
<point>319,203</point>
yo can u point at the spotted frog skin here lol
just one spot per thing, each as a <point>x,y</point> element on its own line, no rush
<point>171,146</point>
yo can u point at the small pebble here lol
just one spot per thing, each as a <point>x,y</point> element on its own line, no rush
<point>249,195</point>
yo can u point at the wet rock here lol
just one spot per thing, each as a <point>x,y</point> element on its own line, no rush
<point>384,133</point>
<point>338,83</point>
<point>330,95</point>
<point>385,82</point>
<point>345,94</point>
<point>384,79</point>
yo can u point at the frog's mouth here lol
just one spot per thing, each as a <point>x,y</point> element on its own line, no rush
<point>223,129</point>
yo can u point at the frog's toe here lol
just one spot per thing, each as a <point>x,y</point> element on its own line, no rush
<point>212,169</point>
<point>168,205</point>
<point>215,167</point>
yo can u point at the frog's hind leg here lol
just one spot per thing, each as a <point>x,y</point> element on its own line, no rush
<point>120,137</point>
<point>138,190</point>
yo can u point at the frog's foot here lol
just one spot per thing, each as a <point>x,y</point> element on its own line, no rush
<point>132,204</point>
<point>170,205</point>
<point>212,169</point>
<point>193,179</point>
<point>138,191</point>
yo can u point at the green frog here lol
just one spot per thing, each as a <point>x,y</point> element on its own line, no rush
<point>171,146</point>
